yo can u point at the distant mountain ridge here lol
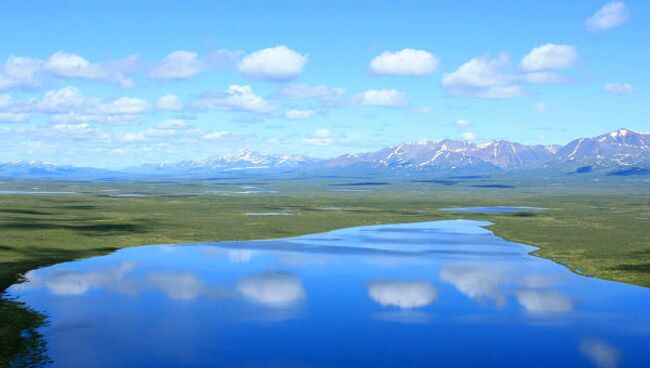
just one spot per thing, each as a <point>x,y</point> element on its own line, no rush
<point>622,150</point>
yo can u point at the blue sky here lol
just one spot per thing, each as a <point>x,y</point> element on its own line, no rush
<point>125,82</point>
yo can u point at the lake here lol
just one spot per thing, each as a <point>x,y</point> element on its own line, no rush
<point>444,293</point>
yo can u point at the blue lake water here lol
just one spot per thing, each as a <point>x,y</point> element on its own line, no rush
<point>445,293</point>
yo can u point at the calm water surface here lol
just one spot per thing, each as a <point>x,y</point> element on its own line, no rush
<point>445,293</point>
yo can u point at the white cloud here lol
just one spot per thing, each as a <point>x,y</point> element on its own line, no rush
<point>299,114</point>
<point>66,99</point>
<point>405,62</point>
<point>619,88</point>
<point>274,290</point>
<point>468,136</point>
<point>75,118</point>
<point>550,57</point>
<point>169,102</point>
<point>177,65</point>
<point>462,123</point>
<point>68,65</point>
<point>238,98</point>
<point>302,91</point>
<point>276,63</point>
<point>402,294</point>
<point>321,137</point>
<point>19,72</point>
<point>482,77</point>
<point>123,105</point>
<point>72,66</point>
<point>382,97</point>
<point>609,16</point>
<point>215,135</point>
<point>70,104</point>
<point>12,111</point>
<point>13,117</point>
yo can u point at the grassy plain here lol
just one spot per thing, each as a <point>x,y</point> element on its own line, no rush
<point>599,227</point>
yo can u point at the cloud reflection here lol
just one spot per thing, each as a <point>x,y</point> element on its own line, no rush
<point>402,294</point>
<point>476,282</point>
<point>181,285</point>
<point>67,282</point>
<point>538,301</point>
<point>119,278</point>
<point>602,354</point>
<point>274,289</point>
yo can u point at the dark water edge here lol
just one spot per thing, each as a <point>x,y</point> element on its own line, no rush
<point>21,344</point>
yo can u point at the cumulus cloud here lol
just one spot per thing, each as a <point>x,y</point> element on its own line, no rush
<point>276,290</point>
<point>12,111</point>
<point>299,114</point>
<point>70,104</point>
<point>402,294</point>
<point>71,65</point>
<point>619,88</point>
<point>19,72</point>
<point>549,57</point>
<point>608,16</point>
<point>13,117</point>
<point>169,102</point>
<point>177,65</point>
<point>237,98</point>
<point>482,77</point>
<point>278,63</point>
<point>382,97</point>
<point>303,91</point>
<point>409,62</point>
<point>468,136</point>
<point>68,65</point>
<point>321,137</point>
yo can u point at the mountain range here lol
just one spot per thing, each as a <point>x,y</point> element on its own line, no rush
<point>619,152</point>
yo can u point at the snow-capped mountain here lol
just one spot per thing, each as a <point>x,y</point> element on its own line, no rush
<point>249,160</point>
<point>242,161</point>
<point>621,147</point>
<point>31,168</point>
<point>450,154</point>
<point>418,156</point>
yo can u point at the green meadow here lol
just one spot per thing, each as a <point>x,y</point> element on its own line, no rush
<point>596,227</point>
